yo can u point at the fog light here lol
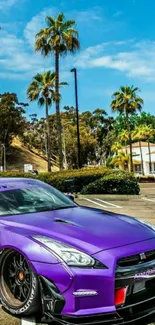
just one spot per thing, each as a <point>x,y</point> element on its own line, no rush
<point>120,296</point>
<point>85,293</point>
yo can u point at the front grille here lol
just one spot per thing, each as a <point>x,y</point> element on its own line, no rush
<point>129,261</point>
<point>136,259</point>
<point>150,256</point>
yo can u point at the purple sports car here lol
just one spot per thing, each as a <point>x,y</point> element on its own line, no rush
<point>72,264</point>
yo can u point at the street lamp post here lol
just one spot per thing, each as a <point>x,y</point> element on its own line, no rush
<point>77,119</point>
<point>4,157</point>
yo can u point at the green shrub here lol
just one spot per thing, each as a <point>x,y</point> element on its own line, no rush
<point>62,180</point>
<point>16,174</point>
<point>113,184</point>
<point>74,180</point>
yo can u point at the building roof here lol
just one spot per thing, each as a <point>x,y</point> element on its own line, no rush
<point>143,144</point>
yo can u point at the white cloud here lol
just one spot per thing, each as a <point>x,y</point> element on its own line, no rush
<point>118,14</point>
<point>86,15</point>
<point>5,4</point>
<point>137,61</point>
<point>17,61</point>
<point>36,23</point>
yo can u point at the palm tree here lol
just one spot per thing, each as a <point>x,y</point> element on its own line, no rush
<point>139,134</point>
<point>116,147</point>
<point>60,38</point>
<point>148,132</point>
<point>42,90</point>
<point>124,138</point>
<point>120,160</point>
<point>126,101</point>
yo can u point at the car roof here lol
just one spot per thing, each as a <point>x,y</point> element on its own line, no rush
<point>8,180</point>
<point>17,183</point>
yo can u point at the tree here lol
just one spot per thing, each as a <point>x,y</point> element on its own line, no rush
<point>42,90</point>
<point>100,125</point>
<point>60,38</point>
<point>116,147</point>
<point>120,122</point>
<point>12,120</point>
<point>139,134</point>
<point>107,143</point>
<point>145,119</point>
<point>120,160</point>
<point>88,141</point>
<point>126,101</point>
<point>124,138</point>
<point>147,132</point>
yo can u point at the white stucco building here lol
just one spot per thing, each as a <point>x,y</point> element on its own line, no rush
<point>145,153</point>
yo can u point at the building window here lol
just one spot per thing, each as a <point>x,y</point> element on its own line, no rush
<point>138,168</point>
<point>153,167</point>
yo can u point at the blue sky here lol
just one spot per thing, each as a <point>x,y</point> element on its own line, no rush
<point>117,48</point>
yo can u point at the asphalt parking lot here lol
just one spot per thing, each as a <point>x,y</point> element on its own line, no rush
<point>142,207</point>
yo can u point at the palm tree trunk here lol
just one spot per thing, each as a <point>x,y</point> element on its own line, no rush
<point>65,156</point>
<point>130,140</point>
<point>126,150</point>
<point>150,161</point>
<point>141,156</point>
<point>48,140</point>
<point>59,127</point>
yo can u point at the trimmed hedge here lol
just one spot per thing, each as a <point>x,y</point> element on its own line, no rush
<point>87,181</point>
<point>75,180</point>
<point>113,184</point>
<point>16,174</point>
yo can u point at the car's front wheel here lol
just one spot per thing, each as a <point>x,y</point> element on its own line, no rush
<point>19,290</point>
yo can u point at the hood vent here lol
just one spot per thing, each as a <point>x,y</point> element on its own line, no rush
<point>66,222</point>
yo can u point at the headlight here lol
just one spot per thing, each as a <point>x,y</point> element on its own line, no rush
<point>70,255</point>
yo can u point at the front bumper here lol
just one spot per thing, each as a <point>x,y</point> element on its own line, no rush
<point>63,307</point>
<point>136,308</point>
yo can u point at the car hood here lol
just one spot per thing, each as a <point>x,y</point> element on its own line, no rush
<point>88,229</point>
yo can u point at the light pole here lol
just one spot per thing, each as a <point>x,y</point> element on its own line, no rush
<point>77,119</point>
<point>4,157</point>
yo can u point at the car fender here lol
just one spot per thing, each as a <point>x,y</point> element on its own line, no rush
<point>31,250</point>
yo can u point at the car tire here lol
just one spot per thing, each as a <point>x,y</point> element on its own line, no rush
<point>19,288</point>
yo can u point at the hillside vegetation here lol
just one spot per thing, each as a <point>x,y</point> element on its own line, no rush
<point>18,155</point>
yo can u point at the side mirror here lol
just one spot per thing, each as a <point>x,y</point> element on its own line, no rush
<point>70,196</point>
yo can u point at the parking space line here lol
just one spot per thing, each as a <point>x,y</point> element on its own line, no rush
<point>94,202</point>
<point>146,199</point>
<point>111,204</point>
<point>28,321</point>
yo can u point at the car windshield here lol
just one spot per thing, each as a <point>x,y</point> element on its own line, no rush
<point>32,199</point>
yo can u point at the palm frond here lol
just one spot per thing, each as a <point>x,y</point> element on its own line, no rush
<point>41,101</point>
<point>49,101</point>
<point>63,84</point>
<point>50,21</point>
<point>61,17</point>
<point>68,24</point>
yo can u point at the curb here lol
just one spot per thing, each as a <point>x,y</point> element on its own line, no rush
<point>110,197</point>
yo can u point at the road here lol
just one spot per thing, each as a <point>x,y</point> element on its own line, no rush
<point>142,207</point>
